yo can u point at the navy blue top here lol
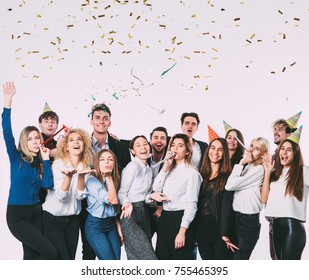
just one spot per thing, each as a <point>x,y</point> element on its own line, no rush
<point>25,177</point>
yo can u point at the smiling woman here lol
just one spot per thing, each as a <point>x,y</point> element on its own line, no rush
<point>63,203</point>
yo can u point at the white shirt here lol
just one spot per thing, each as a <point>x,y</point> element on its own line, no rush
<point>182,187</point>
<point>281,205</point>
<point>246,185</point>
<point>58,202</point>
<point>136,180</point>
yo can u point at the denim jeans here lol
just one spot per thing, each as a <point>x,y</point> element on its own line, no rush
<point>102,235</point>
<point>247,229</point>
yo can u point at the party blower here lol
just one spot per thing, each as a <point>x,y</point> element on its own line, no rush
<point>52,136</point>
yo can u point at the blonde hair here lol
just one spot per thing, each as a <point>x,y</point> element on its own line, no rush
<point>264,148</point>
<point>86,156</point>
<point>23,139</point>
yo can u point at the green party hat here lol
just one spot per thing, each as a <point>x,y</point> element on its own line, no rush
<point>227,127</point>
<point>295,136</point>
<point>292,121</point>
<point>46,108</point>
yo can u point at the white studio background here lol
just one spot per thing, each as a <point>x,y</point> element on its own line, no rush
<point>245,62</point>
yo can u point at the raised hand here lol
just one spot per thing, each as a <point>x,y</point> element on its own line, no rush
<point>9,90</point>
<point>44,152</point>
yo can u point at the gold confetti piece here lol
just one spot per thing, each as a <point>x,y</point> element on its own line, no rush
<point>131,14</point>
<point>186,28</point>
<point>252,36</point>
<point>280,12</point>
<point>101,16</point>
<point>186,57</point>
<point>120,43</point>
<point>59,40</point>
<point>59,50</point>
<point>53,43</point>
<point>236,19</point>
<point>9,9</point>
<point>293,64</point>
<point>138,17</point>
<point>18,50</point>
<point>65,50</point>
<point>18,58</point>
<point>173,40</point>
<point>283,69</point>
<point>26,33</point>
<point>206,87</point>
<point>130,36</point>
<point>101,63</point>
<point>112,32</point>
<point>193,16</point>
<point>197,51</point>
<point>248,41</point>
<point>39,16</point>
<point>219,36</point>
<point>94,17</point>
<point>45,28</point>
<point>259,40</point>
<point>298,19</point>
<point>222,9</point>
<point>179,43</point>
<point>272,72</point>
<point>162,25</point>
<point>214,49</point>
<point>45,57</point>
<point>107,7</point>
<point>12,36</point>
<point>35,51</point>
<point>70,25</point>
<point>284,36</point>
<point>196,76</point>
<point>205,33</point>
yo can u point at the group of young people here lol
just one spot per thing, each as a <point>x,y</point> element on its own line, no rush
<point>194,196</point>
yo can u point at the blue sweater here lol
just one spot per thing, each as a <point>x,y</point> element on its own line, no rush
<point>25,177</point>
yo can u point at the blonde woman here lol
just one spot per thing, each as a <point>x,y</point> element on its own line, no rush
<point>30,170</point>
<point>63,204</point>
<point>246,181</point>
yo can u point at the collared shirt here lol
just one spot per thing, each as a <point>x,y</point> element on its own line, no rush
<point>181,186</point>
<point>197,154</point>
<point>97,199</point>
<point>246,184</point>
<point>64,203</point>
<point>95,144</point>
<point>281,205</point>
<point>136,181</point>
<point>155,170</point>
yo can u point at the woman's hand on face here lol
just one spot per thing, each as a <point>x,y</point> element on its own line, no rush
<point>9,90</point>
<point>127,209</point>
<point>247,158</point>
<point>44,152</point>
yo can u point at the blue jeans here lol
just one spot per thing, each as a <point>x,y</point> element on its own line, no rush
<point>247,229</point>
<point>102,235</point>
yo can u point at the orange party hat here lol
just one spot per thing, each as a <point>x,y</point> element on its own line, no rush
<point>212,134</point>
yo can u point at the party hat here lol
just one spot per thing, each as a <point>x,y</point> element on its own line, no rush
<point>295,136</point>
<point>292,121</point>
<point>212,134</point>
<point>46,108</point>
<point>227,127</point>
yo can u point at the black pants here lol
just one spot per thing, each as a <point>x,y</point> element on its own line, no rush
<point>168,228</point>
<point>289,238</point>
<point>87,252</point>
<point>63,233</point>
<point>247,229</point>
<point>25,223</point>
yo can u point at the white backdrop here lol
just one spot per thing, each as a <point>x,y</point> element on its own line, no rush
<point>245,62</point>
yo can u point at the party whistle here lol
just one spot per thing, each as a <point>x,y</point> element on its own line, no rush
<point>52,136</point>
<point>162,160</point>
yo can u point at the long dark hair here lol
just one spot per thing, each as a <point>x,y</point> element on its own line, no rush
<point>224,167</point>
<point>237,156</point>
<point>295,175</point>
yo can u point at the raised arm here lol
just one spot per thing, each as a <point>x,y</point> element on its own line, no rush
<point>9,91</point>
<point>268,164</point>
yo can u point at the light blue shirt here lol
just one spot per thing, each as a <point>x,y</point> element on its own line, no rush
<point>97,199</point>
